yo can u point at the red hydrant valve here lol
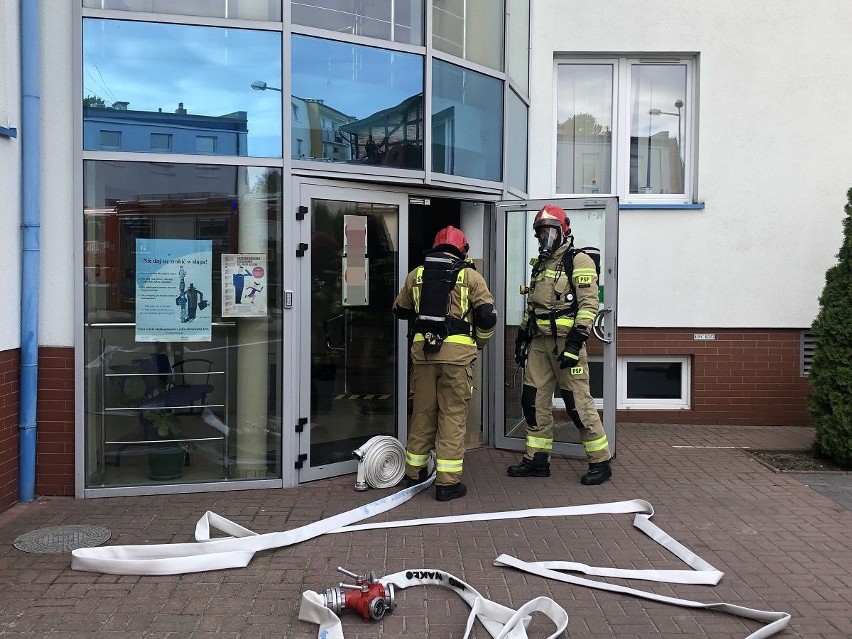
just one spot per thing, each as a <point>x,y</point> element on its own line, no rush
<point>367,596</point>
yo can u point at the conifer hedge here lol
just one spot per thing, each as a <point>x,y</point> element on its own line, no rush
<point>830,401</point>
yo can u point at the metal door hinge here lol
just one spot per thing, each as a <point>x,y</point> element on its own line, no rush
<point>301,212</point>
<point>300,461</point>
<point>300,424</point>
<point>300,252</point>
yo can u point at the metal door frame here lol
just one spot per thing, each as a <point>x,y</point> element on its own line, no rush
<point>605,324</point>
<point>304,191</point>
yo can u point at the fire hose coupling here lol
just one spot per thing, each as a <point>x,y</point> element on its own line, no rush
<point>366,596</point>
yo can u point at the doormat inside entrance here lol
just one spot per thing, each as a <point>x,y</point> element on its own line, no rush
<point>59,539</point>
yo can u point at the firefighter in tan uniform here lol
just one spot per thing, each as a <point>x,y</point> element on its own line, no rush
<point>561,307</point>
<point>453,313</point>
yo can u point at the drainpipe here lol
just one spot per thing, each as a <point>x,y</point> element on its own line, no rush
<point>30,223</point>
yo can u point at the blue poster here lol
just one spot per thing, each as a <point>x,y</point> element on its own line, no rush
<point>173,288</point>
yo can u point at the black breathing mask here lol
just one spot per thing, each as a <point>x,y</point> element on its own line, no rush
<point>549,239</point>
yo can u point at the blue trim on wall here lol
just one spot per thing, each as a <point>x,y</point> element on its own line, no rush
<point>697,205</point>
<point>8,133</point>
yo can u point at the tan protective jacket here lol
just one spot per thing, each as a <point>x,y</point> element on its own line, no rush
<point>551,290</point>
<point>469,292</point>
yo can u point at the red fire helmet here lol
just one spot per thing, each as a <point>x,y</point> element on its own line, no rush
<point>551,215</point>
<point>451,237</point>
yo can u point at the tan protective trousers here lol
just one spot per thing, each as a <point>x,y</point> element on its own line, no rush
<point>442,393</point>
<point>541,376</point>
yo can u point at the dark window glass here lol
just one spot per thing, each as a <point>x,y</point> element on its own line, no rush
<point>205,144</point>
<point>467,123</point>
<point>161,142</point>
<point>141,78</point>
<point>394,20</point>
<point>110,140</point>
<point>356,104</point>
<point>654,380</point>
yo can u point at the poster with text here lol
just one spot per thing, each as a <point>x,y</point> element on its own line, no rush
<point>244,285</point>
<point>173,282</point>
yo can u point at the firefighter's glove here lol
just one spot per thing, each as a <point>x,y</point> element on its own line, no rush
<point>521,347</point>
<point>570,354</point>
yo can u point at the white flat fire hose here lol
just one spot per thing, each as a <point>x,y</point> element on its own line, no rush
<point>381,463</point>
<point>237,551</point>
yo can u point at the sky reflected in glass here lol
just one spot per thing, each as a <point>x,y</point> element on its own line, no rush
<point>208,71</point>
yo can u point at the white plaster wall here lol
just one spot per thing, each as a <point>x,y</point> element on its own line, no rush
<point>58,239</point>
<point>10,176</point>
<point>774,163</point>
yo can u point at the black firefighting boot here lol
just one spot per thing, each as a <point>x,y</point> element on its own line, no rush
<point>453,491</point>
<point>410,481</point>
<point>598,474</point>
<point>538,466</point>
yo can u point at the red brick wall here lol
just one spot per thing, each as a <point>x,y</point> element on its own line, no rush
<point>9,402</point>
<point>55,415</point>
<point>744,376</point>
<point>748,377</point>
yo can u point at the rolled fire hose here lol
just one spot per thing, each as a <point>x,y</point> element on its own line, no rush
<point>238,550</point>
<point>381,463</point>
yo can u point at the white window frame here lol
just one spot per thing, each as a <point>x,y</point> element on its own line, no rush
<point>683,403</point>
<point>621,96</point>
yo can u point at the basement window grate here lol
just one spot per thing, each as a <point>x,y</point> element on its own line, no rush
<point>808,346</point>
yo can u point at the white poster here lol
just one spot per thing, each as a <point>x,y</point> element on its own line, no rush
<point>244,285</point>
<point>173,281</point>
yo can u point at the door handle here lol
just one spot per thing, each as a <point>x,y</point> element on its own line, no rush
<point>598,327</point>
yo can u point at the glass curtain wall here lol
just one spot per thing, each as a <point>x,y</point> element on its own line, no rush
<point>182,280</point>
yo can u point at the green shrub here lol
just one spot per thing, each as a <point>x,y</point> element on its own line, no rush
<point>830,401</point>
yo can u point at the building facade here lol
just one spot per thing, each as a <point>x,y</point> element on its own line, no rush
<point>225,197</point>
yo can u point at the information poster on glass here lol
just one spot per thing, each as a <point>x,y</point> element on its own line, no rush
<point>244,285</point>
<point>173,282</point>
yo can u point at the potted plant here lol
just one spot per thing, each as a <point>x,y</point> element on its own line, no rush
<point>165,459</point>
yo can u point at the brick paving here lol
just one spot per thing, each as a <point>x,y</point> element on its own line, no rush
<point>781,544</point>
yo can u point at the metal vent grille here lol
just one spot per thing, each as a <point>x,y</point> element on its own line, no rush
<point>808,346</point>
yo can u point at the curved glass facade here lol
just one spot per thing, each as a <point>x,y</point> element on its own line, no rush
<point>356,105</point>
<point>184,340</point>
<point>467,123</point>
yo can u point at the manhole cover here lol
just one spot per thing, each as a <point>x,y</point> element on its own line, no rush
<point>62,539</point>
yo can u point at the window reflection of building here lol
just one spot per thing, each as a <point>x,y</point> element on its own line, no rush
<point>322,128</point>
<point>391,137</point>
<point>117,126</point>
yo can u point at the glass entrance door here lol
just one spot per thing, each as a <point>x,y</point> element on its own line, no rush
<point>349,376</point>
<point>594,222</point>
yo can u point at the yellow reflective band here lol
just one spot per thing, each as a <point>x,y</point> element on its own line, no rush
<point>540,442</point>
<point>585,271</point>
<point>577,370</point>
<point>586,314</point>
<point>560,321</point>
<point>484,334</point>
<point>415,291</point>
<point>416,460</point>
<point>596,444</point>
<point>552,274</point>
<point>467,340</point>
<point>449,465</point>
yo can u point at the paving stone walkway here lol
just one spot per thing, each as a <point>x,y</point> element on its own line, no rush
<point>781,542</point>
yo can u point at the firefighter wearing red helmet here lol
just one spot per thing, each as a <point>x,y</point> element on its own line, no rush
<point>453,316</point>
<point>561,308</point>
